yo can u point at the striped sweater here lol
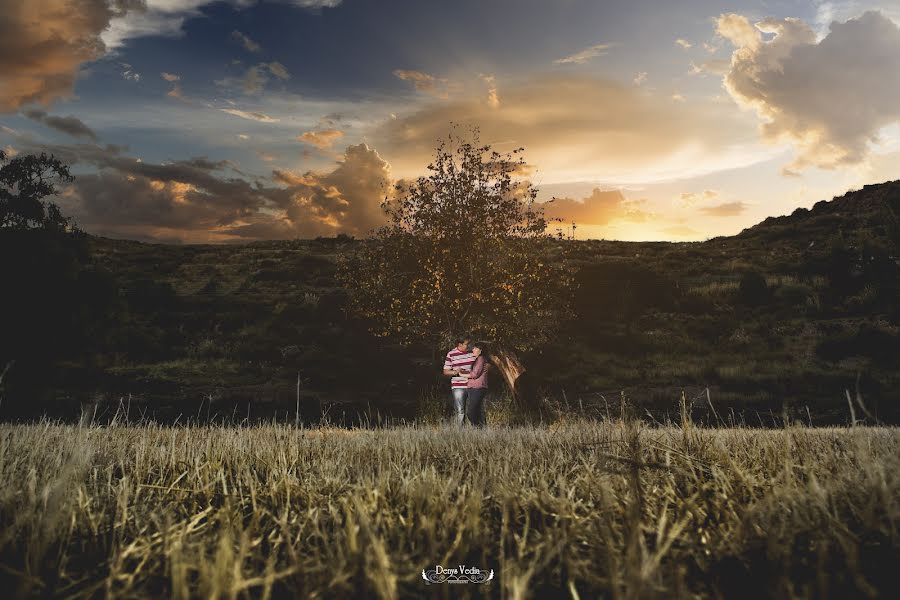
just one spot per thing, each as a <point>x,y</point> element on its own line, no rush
<point>457,359</point>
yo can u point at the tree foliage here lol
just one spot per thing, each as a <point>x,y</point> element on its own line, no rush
<point>466,248</point>
<point>24,183</point>
<point>59,305</point>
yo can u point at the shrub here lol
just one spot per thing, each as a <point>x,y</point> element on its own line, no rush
<point>753,289</point>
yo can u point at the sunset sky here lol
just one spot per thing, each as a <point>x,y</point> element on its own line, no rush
<point>238,120</point>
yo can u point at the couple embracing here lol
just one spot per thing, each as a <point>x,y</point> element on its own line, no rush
<point>468,372</point>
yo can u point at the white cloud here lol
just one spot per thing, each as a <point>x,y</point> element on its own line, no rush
<point>166,18</point>
<point>252,116</point>
<point>829,97</point>
<point>714,66</point>
<point>585,55</point>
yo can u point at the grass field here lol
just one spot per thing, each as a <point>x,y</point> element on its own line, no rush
<point>577,508</point>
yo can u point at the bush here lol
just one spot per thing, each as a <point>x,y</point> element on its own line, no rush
<point>794,294</point>
<point>616,291</point>
<point>753,289</point>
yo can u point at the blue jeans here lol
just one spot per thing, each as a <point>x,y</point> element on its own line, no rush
<point>468,402</point>
<point>459,404</point>
<point>475,406</point>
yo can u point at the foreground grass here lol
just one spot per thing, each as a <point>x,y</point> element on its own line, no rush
<point>582,509</point>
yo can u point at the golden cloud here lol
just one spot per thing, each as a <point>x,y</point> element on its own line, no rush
<point>577,127</point>
<point>600,208</point>
<point>321,139</point>
<point>194,201</point>
<point>424,82</point>
<point>42,45</point>
<point>727,209</point>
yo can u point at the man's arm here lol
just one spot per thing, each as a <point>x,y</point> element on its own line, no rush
<point>449,371</point>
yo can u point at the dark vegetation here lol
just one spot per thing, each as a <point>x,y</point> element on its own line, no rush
<point>777,322</point>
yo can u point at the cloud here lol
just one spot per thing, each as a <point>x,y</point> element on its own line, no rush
<point>728,209</point>
<point>718,66</point>
<point>69,125</point>
<point>640,78</point>
<point>278,70</point>
<point>637,137</point>
<point>345,200</point>
<point>167,17</point>
<point>187,200</point>
<point>331,119</point>
<point>194,201</point>
<point>129,74</point>
<point>493,99</point>
<point>255,78</point>
<point>252,116</point>
<point>684,43</point>
<point>424,82</point>
<point>693,197</point>
<point>682,231</point>
<point>321,139</point>
<point>175,92</point>
<point>600,208</point>
<point>248,44</point>
<point>42,45</point>
<point>583,56</point>
<point>314,4</point>
<point>829,98</point>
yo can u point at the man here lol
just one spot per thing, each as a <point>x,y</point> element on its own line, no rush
<point>457,365</point>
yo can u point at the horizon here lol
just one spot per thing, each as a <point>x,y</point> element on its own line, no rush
<point>233,121</point>
<point>234,242</point>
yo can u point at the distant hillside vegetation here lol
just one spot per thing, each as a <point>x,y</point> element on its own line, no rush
<point>784,317</point>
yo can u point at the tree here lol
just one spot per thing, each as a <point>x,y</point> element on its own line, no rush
<point>466,248</point>
<point>24,183</point>
<point>57,306</point>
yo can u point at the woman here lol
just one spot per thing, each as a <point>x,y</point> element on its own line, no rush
<point>477,385</point>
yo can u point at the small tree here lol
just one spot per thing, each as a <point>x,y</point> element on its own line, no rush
<point>466,248</point>
<point>24,183</point>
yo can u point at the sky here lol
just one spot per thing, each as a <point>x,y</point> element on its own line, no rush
<point>191,121</point>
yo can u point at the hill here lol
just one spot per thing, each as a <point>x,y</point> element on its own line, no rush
<point>783,318</point>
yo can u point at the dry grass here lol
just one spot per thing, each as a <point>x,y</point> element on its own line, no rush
<point>580,508</point>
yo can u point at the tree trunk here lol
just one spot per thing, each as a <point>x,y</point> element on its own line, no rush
<point>2,376</point>
<point>517,380</point>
